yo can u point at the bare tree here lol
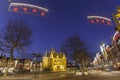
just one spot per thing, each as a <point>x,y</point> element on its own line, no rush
<point>16,36</point>
<point>76,49</point>
<point>83,58</point>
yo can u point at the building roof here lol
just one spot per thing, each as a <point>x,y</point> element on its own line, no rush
<point>54,53</point>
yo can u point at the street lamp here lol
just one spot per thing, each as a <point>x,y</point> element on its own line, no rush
<point>98,59</point>
<point>34,66</point>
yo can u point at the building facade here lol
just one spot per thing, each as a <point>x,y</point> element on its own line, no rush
<point>54,61</point>
<point>114,56</point>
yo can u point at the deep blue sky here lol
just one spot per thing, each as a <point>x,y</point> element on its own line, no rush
<point>65,18</point>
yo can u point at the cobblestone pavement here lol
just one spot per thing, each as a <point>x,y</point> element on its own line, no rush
<point>93,75</point>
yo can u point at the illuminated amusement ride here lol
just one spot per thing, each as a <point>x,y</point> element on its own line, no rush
<point>27,8</point>
<point>105,20</point>
<point>99,20</point>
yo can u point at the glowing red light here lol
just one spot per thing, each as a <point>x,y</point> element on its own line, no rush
<point>108,23</point>
<point>97,20</point>
<point>103,21</point>
<point>92,21</point>
<point>42,13</point>
<point>25,9</point>
<point>15,9</point>
<point>34,10</point>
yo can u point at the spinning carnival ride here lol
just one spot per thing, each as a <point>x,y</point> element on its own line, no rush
<point>27,9</point>
<point>99,20</point>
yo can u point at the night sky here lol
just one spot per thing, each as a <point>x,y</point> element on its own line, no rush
<point>65,17</point>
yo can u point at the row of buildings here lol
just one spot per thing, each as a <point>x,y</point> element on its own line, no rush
<point>109,55</point>
<point>51,61</point>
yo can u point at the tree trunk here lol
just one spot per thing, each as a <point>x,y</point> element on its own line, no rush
<point>75,67</point>
<point>11,55</point>
<point>75,59</point>
<point>12,51</point>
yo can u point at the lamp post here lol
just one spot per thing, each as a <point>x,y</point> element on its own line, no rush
<point>34,66</point>
<point>98,59</point>
<point>95,63</point>
<point>34,59</point>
